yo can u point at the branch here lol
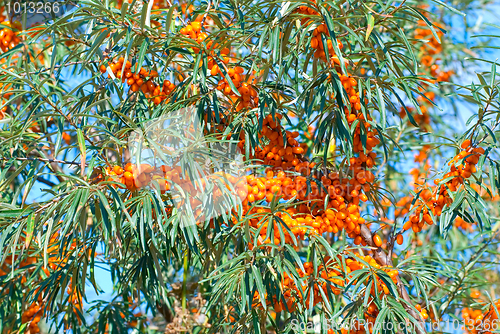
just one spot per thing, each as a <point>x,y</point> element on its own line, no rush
<point>465,269</point>
<point>384,260</point>
<point>44,160</point>
<point>71,63</point>
<point>47,182</point>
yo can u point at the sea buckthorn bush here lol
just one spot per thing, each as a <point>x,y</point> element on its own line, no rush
<point>341,176</point>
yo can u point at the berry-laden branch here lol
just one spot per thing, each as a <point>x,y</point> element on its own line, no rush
<point>290,170</point>
<point>383,259</point>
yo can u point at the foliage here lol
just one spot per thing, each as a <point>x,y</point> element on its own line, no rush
<point>327,219</point>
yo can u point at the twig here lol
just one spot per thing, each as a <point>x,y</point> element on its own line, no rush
<point>179,16</point>
<point>71,63</point>
<point>43,159</point>
<point>184,282</point>
<point>487,134</point>
<point>69,120</point>
<point>459,285</point>
<point>45,181</point>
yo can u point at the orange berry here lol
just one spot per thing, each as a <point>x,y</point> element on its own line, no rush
<point>118,170</point>
<point>465,144</point>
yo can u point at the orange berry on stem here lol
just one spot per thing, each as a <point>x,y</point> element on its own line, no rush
<point>465,144</point>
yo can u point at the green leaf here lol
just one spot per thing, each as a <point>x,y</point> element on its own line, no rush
<point>83,150</point>
<point>30,226</point>
<point>370,24</point>
<point>96,45</point>
<point>260,287</point>
<point>168,23</point>
<point>142,53</point>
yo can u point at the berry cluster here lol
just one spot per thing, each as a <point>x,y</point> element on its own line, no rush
<point>330,276</point>
<point>137,176</point>
<point>27,266</point>
<point>342,211</point>
<point>244,84</point>
<point>275,153</point>
<point>214,68</point>
<point>194,31</point>
<point>246,97</point>
<point>8,36</point>
<point>309,11</point>
<point>429,57</point>
<point>433,202</point>
<point>349,84</point>
<point>476,321</point>
<point>319,35</point>
<point>317,42</point>
<point>423,312</point>
<point>140,81</point>
<point>32,316</point>
<point>430,51</point>
<point>131,176</point>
